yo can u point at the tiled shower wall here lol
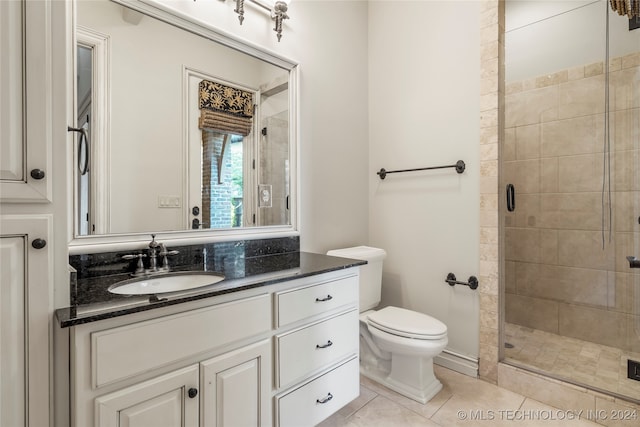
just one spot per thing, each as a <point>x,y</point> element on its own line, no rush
<point>274,167</point>
<point>558,277</point>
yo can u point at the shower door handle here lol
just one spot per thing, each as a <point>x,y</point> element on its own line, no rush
<point>511,198</point>
<point>633,262</point>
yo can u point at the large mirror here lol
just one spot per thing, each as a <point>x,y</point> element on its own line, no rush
<point>177,127</point>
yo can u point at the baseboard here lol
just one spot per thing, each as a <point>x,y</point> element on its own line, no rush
<point>457,362</point>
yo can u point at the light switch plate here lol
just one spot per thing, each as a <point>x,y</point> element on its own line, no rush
<point>168,201</point>
<point>265,196</point>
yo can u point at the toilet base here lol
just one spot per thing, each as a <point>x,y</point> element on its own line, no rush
<point>408,375</point>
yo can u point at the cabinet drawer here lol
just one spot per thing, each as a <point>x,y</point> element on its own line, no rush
<point>305,350</point>
<point>305,302</point>
<point>318,399</point>
<point>126,351</point>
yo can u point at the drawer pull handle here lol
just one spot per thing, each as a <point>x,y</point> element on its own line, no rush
<point>326,399</point>
<point>328,344</point>
<point>327,298</point>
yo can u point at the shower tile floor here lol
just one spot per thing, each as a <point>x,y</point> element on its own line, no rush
<point>567,358</point>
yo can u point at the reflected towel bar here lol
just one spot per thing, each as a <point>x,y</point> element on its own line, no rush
<point>452,281</point>
<point>460,167</point>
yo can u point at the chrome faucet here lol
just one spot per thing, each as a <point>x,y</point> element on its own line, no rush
<point>155,249</point>
<point>153,254</point>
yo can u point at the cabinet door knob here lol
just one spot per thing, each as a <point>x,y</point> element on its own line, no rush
<point>37,173</point>
<point>193,392</point>
<point>39,243</point>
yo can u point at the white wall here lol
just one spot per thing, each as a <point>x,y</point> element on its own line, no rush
<point>329,40</point>
<point>424,85</point>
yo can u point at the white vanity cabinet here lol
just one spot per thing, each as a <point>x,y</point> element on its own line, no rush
<point>284,354</point>
<point>212,362</point>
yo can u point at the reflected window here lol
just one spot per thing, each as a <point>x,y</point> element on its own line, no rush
<point>223,179</point>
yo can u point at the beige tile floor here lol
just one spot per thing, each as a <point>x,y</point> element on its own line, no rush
<point>463,401</point>
<point>583,362</point>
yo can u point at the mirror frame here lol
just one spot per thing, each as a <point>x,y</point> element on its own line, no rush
<point>111,242</point>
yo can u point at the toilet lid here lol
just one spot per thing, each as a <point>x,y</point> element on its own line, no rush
<point>407,323</point>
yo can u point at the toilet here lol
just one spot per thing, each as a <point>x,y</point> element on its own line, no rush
<point>397,346</point>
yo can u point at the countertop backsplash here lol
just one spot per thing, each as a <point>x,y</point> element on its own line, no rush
<point>96,272</point>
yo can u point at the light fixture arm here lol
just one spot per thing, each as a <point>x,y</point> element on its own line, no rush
<point>240,10</point>
<point>279,14</point>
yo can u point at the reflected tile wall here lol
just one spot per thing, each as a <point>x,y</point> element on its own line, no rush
<point>558,277</point>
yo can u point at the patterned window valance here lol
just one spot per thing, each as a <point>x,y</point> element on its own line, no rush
<point>225,108</point>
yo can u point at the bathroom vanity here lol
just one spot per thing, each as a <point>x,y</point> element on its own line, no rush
<point>277,348</point>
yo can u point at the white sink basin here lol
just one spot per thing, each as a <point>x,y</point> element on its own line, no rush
<point>171,282</point>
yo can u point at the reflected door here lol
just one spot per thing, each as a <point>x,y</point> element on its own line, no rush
<point>220,172</point>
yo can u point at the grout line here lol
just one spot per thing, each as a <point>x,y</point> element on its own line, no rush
<point>439,408</point>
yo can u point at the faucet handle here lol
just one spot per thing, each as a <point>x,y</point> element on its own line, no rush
<point>133,256</point>
<point>165,252</point>
<point>139,265</point>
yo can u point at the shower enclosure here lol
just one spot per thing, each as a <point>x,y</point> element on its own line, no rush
<point>570,181</point>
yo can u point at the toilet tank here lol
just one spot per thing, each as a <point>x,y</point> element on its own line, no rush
<point>370,274</point>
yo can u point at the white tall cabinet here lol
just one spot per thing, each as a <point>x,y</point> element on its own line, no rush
<point>26,220</point>
<point>25,266</point>
<point>25,104</point>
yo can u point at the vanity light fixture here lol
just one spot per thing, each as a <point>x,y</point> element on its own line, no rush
<point>277,9</point>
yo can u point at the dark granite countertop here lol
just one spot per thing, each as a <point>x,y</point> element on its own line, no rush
<point>93,302</point>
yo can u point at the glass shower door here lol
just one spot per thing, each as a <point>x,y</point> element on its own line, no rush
<point>571,153</point>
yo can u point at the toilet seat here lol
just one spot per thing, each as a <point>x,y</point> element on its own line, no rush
<point>407,323</point>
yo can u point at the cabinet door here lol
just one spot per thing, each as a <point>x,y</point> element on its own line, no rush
<point>170,400</point>
<point>25,115</point>
<point>24,319</point>
<point>235,387</point>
